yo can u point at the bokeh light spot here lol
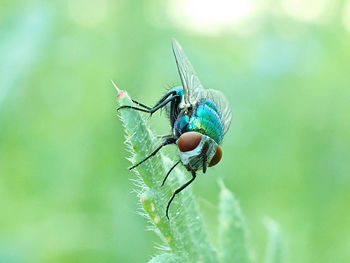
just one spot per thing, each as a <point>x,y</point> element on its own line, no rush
<point>346,16</point>
<point>208,16</point>
<point>89,13</point>
<point>306,11</point>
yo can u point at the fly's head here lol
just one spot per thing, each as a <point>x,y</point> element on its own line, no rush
<point>198,151</point>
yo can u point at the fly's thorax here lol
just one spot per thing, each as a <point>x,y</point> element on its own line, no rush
<point>195,147</point>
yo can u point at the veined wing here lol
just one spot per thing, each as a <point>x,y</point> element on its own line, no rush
<point>190,81</point>
<point>222,105</point>
<point>194,91</point>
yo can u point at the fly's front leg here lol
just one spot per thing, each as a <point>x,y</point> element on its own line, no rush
<point>172,168</point>
<point>178,190</point>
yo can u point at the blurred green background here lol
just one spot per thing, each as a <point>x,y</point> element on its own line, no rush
<point>65,191</point>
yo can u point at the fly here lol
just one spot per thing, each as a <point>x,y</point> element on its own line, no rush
<point>199,119</point>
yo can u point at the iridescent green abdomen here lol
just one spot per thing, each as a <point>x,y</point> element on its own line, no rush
<point>206,120</point>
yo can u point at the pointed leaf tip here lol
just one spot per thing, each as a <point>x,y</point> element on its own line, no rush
<point>275,248</point>
<point>121,93</point>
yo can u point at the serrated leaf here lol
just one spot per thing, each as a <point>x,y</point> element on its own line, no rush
<point>166,258</point>
<point>184,234</point>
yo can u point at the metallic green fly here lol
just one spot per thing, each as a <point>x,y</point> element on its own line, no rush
<point>199,119</point>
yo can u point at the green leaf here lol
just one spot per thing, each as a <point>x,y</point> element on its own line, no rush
<point>274,248</point>
<point>165,258</point>
<point>184,234</point>
<point>232,229</point>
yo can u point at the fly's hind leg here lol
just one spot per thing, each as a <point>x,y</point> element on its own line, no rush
<point>170,96</point>
<point>142,105</point>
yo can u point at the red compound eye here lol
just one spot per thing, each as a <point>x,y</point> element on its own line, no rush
<point>189,141</point>
<point>217,157</point>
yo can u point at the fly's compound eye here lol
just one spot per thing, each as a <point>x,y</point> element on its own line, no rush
<point>189,141</point>
<point>217,156</point>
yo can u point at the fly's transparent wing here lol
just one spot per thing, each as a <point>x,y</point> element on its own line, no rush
<point>194,91</point>
<point>190,81</point>
<point>222,105</point>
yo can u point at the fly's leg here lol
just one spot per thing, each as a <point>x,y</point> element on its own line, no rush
<point>178,190</point>
<point>142,105</point>
<point>172,168</point>
<point>160,104</point>
<point>154,109</point>
<point>166,142</point>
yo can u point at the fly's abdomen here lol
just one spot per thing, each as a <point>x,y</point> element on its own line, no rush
<point>206,121</point>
